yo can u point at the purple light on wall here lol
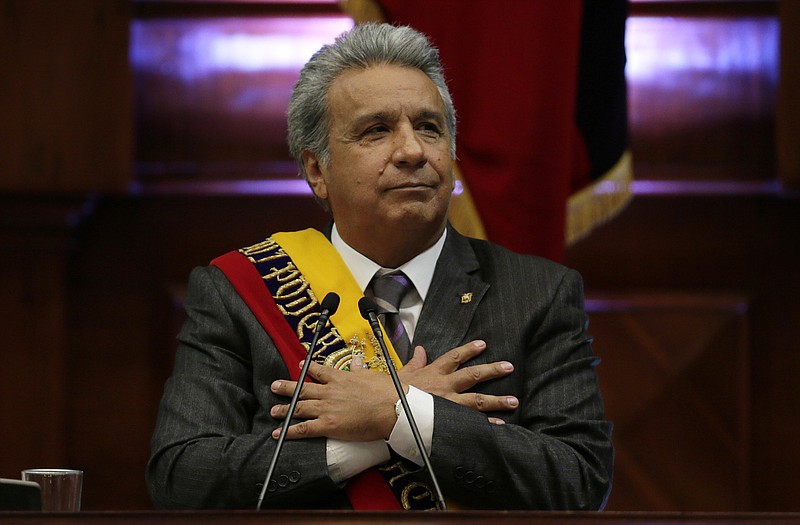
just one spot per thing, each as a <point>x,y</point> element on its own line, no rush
<point>275,188</point>
<point>690,73</point>
<point>658,47</point>
<point>194,49</point>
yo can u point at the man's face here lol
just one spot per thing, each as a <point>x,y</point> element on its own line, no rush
<point>390,165</point>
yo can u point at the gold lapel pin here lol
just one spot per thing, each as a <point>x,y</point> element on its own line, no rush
<point>466,297</point>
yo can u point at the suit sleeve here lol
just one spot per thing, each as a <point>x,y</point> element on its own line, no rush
<point>212,446</point>
<point>555,451</point>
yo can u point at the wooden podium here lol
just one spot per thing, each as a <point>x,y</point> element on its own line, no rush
<point>426,518</point>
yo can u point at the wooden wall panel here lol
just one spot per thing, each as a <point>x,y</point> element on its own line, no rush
<point>35,237</point>
<point>65,95</point>
<point>676,381</point>
<point>789,97</point>
<point>745,245</point>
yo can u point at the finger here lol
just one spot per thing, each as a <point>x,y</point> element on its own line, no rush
<point>279,411</point>
<point>486,402</point>
<point>472,375</point>
<point>303,429</point>
<point>323,374</point>
<point>286,388</point>
<point>283,388</point>
<point>418,360</point>
<point>303,409</point>
<point>452,359</point>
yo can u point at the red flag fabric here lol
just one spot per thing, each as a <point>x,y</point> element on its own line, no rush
<point>512,69</point>
<point>539,87</point>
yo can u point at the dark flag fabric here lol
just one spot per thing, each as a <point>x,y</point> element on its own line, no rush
<point>539,89</point>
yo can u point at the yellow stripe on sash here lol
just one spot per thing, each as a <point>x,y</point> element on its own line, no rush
<point>324,270</point>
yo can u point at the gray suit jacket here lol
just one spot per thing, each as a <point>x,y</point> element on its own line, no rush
<point>212,445</point>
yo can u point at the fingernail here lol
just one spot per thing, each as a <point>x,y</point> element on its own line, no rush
<point>480,344</point>
<point>276,385</point>
<point>508,367</point>
<point>302,363</point>
<point>512,401</point>
<point>499,422</point>
<point>276,433</point>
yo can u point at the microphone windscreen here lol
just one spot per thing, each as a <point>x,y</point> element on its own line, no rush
<point>367,306</point>
<point>330,303</point>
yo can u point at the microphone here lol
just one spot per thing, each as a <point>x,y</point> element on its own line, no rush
<point>329,306</point>
<point>367,307</point>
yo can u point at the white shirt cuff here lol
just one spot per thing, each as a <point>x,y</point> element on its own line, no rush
<point>402,439</point>
<point>348,458</point>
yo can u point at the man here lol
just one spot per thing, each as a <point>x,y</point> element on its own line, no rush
<point>500,375</point>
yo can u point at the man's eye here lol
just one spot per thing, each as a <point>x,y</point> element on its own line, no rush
<point>430,128</point>
<point>374,130</point>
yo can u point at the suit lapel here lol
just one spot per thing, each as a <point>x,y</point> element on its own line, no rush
<point>448,310</point>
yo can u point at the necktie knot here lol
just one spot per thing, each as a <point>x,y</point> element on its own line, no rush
<point>389,289</point>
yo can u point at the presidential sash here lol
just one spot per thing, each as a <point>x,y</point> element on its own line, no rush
<point>297,269</point>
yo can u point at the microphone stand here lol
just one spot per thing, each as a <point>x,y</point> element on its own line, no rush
<point>368,308</point>
<point>329,306</point>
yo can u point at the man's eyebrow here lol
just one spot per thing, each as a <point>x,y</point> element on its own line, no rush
<point>429,114</point>
<point>378,116</point>
<point>391,116</point>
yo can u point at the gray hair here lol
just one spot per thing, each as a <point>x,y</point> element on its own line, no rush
<point>363,46</point>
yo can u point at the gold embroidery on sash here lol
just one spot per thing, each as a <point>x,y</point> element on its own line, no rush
<point>420,490</point>
<point>396,466</point>
<point>340,359</point>
<point>262,247</point>
<point>416,490</point>
<point>296,300</point>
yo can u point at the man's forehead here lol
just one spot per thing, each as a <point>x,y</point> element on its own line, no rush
<point>385,91</point>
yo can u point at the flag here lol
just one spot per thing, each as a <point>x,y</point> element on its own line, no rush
<point>539,90</point>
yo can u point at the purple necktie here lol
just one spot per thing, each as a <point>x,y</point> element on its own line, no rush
<point>388,290</point>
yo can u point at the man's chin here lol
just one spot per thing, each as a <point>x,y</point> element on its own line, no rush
<point>412,219</point>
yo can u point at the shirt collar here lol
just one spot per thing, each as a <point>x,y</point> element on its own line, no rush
<point>419,269</point>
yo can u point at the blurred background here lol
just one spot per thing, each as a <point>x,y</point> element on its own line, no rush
<point>139,139</point>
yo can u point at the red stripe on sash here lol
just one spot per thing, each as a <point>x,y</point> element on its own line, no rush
<point>251,287</point>
<point>367,490</point>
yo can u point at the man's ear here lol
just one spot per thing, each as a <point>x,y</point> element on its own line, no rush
<point>315,173</point>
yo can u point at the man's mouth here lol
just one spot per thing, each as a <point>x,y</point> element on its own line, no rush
<point>411,185</point>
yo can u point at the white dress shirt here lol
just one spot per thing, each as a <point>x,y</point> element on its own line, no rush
<point>348,458</point>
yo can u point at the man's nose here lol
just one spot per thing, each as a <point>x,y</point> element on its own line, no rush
<point>409,149</point>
